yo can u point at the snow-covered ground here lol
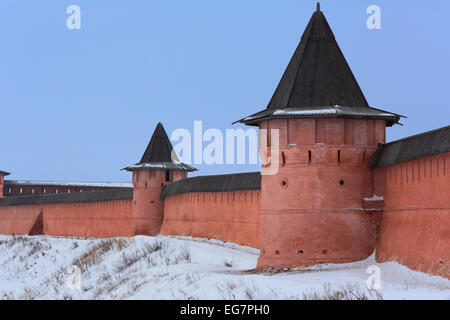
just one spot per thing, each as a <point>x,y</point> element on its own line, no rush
<point>187,268</point>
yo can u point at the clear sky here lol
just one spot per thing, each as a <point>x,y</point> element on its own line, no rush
<point>81,104</point>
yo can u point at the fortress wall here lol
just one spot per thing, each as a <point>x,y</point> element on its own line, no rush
<point>415,228</point>
<point>92,219</point>
<point>17,189</point>
<point>228,216</point>
<point>17,220</point>
<point>83,219</point>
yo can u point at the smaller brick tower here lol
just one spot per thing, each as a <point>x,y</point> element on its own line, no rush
<point>3,174</point>
<point>158,167</point>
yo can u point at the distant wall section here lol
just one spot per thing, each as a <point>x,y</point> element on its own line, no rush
<point>92,214</point>
<point>30,188</point>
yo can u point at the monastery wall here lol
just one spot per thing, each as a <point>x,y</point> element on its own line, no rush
<point>15,189</point>
<point>228,216</point>
<point>90,214</point>
<point>415,228</point>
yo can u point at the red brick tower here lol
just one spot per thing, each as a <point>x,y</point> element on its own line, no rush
<point>312,208</point>
<point>3,174</point>
<point>157,168</point>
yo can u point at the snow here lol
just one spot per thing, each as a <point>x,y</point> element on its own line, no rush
<point>305,112</point>
<point>186,268</point>
<point>374,198</point>
<point>71,184</point>
<point>331,110</point>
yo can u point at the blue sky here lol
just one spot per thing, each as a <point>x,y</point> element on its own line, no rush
<point>81,104</point>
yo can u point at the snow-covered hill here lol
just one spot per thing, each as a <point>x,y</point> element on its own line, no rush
<point>186,268</point>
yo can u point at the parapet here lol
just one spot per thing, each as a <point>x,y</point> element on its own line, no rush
<point>215,183</point>
<point>426,144</point>
<point>96,196</point>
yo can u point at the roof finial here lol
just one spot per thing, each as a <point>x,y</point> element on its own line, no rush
<point>318,6</point>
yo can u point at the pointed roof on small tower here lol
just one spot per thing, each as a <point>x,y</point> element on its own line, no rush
<point>318,82</point>
<point>160,154</point>
<point>159,148</point>
<point>4,173</point>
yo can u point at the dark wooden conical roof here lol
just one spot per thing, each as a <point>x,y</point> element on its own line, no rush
<point>159,148</point>
<point>159,154</point>
<point>318,82</point>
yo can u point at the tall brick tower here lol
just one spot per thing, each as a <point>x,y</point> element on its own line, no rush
<point>312,208</point>
<point>158,167</point>
<point>3,174</point>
